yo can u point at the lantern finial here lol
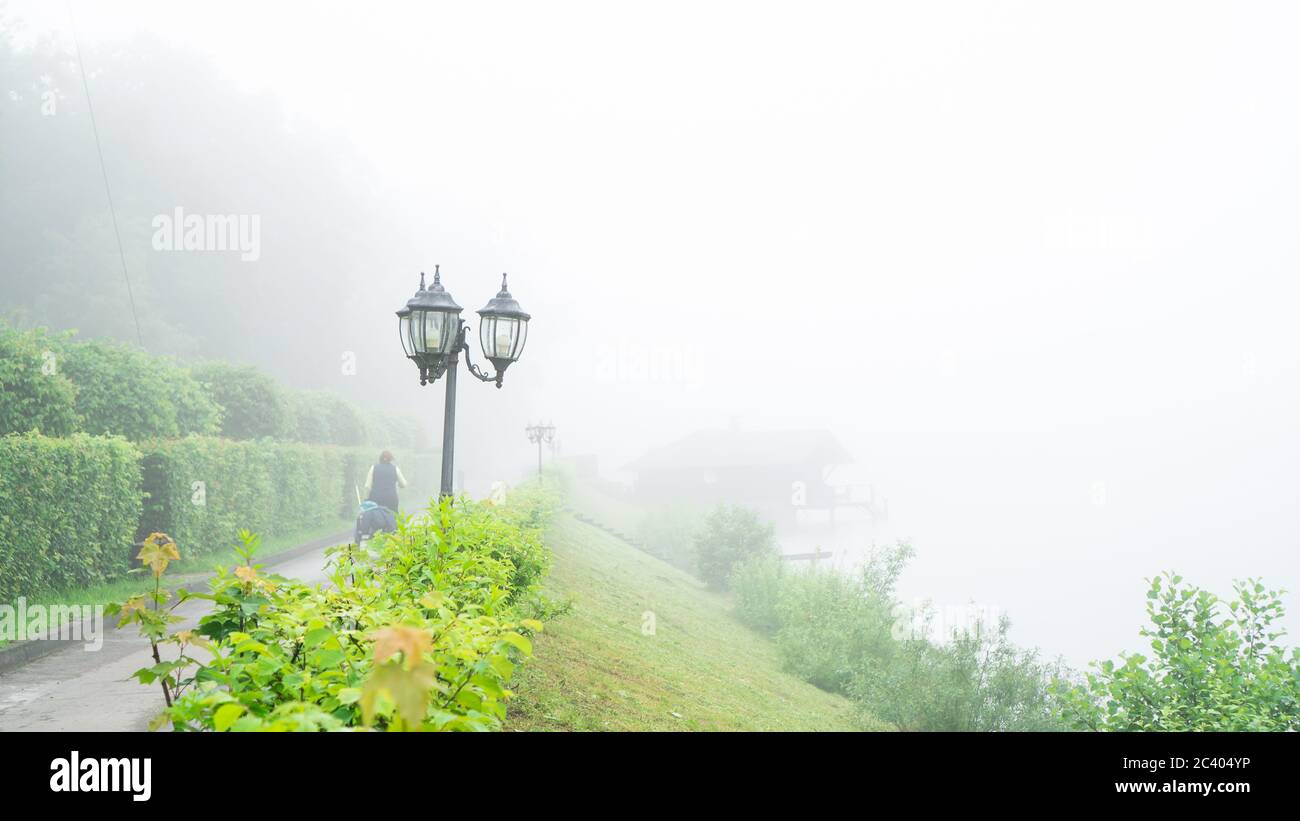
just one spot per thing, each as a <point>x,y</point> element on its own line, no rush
<point>437,276</point>
<point>422,280</point>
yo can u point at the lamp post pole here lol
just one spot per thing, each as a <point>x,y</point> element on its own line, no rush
<point>540,434</point>
<point>449,432</point>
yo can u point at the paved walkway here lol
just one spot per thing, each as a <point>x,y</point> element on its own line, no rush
<point>72,689</point>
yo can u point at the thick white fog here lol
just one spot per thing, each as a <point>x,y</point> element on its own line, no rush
<point>1037,275</point>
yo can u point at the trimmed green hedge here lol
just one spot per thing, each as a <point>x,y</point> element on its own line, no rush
<point>68,511</point>
<point>71,508</point>
<point>356,463</point>
<point>201,491</point>
<point>272,488</point>
<point>304,478</point>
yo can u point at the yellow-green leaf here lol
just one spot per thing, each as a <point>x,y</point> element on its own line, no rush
<point>226,715</point>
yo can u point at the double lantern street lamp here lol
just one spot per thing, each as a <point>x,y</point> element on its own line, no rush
<point>433,335</point>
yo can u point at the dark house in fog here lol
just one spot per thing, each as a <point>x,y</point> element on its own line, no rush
<point>775,473</point>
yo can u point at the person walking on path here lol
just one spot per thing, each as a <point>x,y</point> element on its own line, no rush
<point>383,480</point>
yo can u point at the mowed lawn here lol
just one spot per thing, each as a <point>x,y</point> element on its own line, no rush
<point>595,668</point>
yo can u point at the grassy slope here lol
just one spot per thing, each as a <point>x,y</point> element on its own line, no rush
<point>607,509</point>
<point>594,670</point>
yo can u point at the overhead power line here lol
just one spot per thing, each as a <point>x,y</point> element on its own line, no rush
<point>108,190</point>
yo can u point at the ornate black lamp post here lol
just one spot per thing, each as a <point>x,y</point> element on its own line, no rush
<point>433,335</point>
<point>539,434</point>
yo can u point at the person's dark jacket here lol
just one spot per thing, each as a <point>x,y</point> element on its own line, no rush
<point>384,478</point>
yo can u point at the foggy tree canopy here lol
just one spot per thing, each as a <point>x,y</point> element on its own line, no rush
<point>175,135</point>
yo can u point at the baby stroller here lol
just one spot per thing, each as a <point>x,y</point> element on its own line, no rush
<point>372,519</point>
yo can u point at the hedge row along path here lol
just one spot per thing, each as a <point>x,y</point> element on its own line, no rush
<point>71,689</point>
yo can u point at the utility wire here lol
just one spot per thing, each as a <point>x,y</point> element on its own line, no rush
<point>94,127</point>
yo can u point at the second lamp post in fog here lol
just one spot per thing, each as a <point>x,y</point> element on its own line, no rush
<point>539,434</point>
<point>433,336</point>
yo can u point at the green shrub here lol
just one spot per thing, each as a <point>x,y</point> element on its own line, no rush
<point>196,411</point>
<point>531,505</point>
<point>277,487</point>
<point>757,584</point>
<point>833,625</point>
<point>841,633</point>
<point>420,632</point>
<point>70,508</point>
<point>304,479</point>
<point>975,681</point>
<point>127,392</point>
<point>346,424</point>
<point>326,418</point>
<point>730,534</point>
<point>311,422</point>
<point>395,431</point>
<point>356,463</point>
<point>513,531</point>
<point>252,404</point>
<point>202,490</point>
<point>34,393</point>
<point>68,511</point>
<point>1211,670</point>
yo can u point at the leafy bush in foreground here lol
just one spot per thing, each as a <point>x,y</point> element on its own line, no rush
<point>421,633</point>
<point>1210,669</point>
